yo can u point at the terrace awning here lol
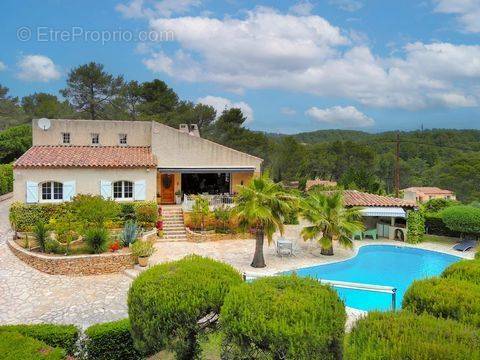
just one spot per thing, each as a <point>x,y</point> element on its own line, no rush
<point>384,211</point>
<point>206,169</point>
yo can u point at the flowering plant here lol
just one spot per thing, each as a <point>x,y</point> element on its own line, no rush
<point>114,246</point>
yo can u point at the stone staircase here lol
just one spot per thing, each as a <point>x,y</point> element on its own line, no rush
<point>173,225</point>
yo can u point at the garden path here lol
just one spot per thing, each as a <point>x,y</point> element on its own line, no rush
<point>30,296</point>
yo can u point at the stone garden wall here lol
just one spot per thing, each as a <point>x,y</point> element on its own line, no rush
<point>75,265</point>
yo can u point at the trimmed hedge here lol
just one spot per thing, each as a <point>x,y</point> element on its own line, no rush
<point>6,178</point>
<point>282,317</point>
<point>445,298</point>
<point>24,217</point>
<point>15,346</point>
<point>62,336</point>
<point>166,301</point>
<point>463,219</point>
<point>468,270</point>
<point>435,226</point>
<point>403,335</point>
<point>146,213</point>
<point>110,341</point>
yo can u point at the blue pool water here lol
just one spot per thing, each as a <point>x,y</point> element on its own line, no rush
<point>381,265</point>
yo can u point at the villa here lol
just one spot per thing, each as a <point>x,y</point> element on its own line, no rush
<point>422,194</point>
<point>126,161</point>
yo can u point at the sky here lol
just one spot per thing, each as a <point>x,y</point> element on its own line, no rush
<point>291,66</point>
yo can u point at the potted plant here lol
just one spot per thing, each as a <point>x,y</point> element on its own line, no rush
<point>142,250</point>
<point>178,197</point>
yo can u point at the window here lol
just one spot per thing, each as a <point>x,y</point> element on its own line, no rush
<point>122,139</point>
<point>95,139</point>
<point>52,190</point>
<point>66,138</point>
<point>123,190</point>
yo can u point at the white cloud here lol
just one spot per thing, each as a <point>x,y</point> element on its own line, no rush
<point>137,9</point>
<point>37,68</point>
<point>347,5</point>
<point>2,66</point>
<point>466,11</point>
<point>220,104</point>
<point>341,117</point>
<point>267,49</point>
<point>302,8</point>
<point>288,111</point>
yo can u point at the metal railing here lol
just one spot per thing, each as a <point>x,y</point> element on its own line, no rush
<point>345,285</point>
<point>214,201</point>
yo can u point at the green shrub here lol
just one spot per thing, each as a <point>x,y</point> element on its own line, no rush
<point>403,335</point>
<point>93,211</point>
<point>284,317</point>
<point>15,346</point>
<point>200,212</point>
<point>23,217</point>
<point>143,249</point>
<point>97,240</point>
<point>166,301</point>
<point>222,216</point>
<point>52,246</point>
<point>41,235</point>
<point>146,214</point>
<point>436,205</point>
<point>110,341</point>
<point>445,298</point>
<point>6,178</point>
<point>127,211</point>
<point>477,254</point>
<point>415,227</point>
<point>434,225</point>
<point>62,336</point>
<point>464,270</point>
<point>463,219</point>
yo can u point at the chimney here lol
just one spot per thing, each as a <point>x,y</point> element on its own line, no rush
<point>190,129</point>
<point>183,128</point>
<point>194,130</point>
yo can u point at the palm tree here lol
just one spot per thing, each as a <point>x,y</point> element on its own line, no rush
<point>262,205</point>
<point>330,220</point>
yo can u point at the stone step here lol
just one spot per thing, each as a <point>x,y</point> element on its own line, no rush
<point>175,237</point>
<point>133,273</point>
<point>174,232</point>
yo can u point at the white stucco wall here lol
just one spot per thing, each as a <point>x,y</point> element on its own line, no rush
<point>87,180</point>
<point>177,149</point>
<point>138,132</point>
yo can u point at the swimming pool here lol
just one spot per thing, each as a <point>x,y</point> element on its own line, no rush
<point>386,265</point>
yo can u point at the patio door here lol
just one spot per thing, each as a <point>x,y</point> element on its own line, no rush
<point>168,189</point>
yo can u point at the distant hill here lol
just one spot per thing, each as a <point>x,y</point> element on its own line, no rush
<point>466,139</point>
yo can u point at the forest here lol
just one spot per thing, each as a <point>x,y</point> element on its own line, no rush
<point>357,160</point>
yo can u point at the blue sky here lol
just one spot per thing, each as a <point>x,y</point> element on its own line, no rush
<point>291,66</point>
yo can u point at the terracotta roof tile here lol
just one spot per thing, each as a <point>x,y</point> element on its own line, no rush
<point>429,190</point>
<point>87,156</point>
<point>357,198</point>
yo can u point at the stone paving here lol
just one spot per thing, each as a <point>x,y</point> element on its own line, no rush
<point>30,296</point>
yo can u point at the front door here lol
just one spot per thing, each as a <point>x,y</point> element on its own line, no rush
<point>168,186</point>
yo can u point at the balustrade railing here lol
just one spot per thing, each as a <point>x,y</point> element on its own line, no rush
<point>213,200</point>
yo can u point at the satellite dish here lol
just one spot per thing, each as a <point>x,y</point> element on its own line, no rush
<point>44,123</point>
